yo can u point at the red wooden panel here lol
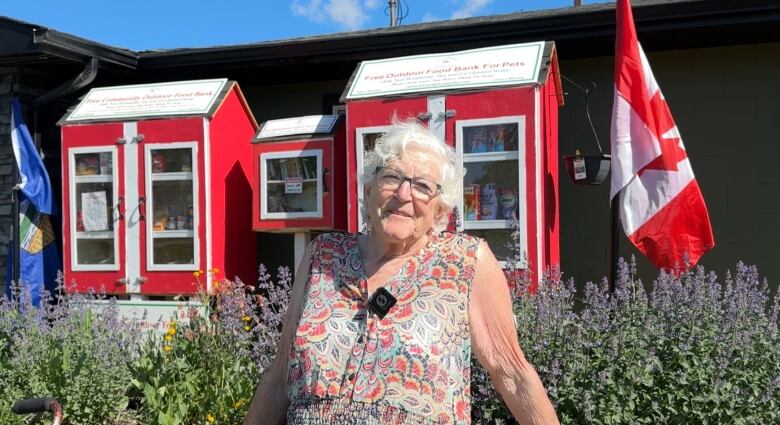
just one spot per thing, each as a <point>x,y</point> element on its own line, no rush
<point>326,222</point>
<point>551,207</point>
<point>232,242</point>
<point>167,131</point>
<point>91,135</point>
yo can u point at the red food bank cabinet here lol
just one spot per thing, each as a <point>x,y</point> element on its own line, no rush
<point>498,107</point>
<point>300,176</point>
<point>156,186</point>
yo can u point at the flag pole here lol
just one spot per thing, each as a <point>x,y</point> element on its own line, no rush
<point>15,227</point>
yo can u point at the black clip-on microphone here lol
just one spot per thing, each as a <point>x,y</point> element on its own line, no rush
<point>381,302</point>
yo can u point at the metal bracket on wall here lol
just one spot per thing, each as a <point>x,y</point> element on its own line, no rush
<point>424,116</point>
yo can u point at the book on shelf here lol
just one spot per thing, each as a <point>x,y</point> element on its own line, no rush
<point>274,171</point>
<point>309,167</point>
<point>291,168</point>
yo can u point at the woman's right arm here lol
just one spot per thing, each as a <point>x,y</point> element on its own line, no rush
<point>270,402</point>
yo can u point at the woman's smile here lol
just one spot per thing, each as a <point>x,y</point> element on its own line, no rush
<point>398,213</point>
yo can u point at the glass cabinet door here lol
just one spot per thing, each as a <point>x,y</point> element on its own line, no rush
<point>94,205</point>
<point>171,207</point>
<point>291,184</point>
<point>365,141</point>
<point>494,184</point>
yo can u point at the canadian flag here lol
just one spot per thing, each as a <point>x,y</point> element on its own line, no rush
<point>661,206</point>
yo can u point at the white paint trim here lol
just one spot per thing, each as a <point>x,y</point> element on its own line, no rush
<point>72,202</point>
<point>264,214</point>
<point>150,201</point>
<point>437,110</point>
<point>359,149</point>
<point>208,206</point>
<point>519,156</point>
<point>522,194</point>
<point>346,180</point>
<point>491,157</point>
<point>538,179</point>
<point>132,209</point>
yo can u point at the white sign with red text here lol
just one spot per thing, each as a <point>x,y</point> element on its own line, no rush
<point>149,100</point>
<point>310,124</point>
<point>156,315</point>
<point>493,66</point>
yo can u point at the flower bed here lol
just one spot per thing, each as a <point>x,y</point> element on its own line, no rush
<point>687,349</point>
<point>683,349</point>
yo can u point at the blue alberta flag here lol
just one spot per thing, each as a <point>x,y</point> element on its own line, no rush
<point>39,259</point>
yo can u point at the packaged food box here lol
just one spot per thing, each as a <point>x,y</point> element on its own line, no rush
<point>87,165</point>
<point>488,202</point>
<point>471,202</point>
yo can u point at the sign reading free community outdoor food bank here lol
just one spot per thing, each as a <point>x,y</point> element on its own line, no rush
<point>149,100</point>
<point>489,67</point>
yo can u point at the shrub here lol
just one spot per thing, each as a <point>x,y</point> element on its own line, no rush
<point>205,369</point>
<point>690,349</point>
<point>74,349</point>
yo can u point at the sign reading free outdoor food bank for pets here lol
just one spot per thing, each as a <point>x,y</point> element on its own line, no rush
<point>488,67</point>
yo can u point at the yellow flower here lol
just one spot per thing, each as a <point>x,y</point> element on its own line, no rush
<point>167,348</point>
<point>171,331</point>
<point>215,270</point>
<point>247,328</point>
<point>197,273</point>
<point>210,418</point>
<point>239,403</point>
<point>168,338</point>
<point>246,318</point>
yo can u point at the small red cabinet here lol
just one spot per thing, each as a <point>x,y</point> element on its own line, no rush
<point>156,186</point>
<point>300,178</point>
<point>497,107</point>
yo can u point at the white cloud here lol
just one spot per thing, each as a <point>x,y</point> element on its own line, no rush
<point>311,10</point>
<point>348,14</point>
<point>469,8</point>
<point>430,17</point>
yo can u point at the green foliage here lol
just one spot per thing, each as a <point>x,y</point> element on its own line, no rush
<point>692,349</point>
<point>685,349</point>
<point>68,351</point>
<point>103,370</point>
<point>199,371</point>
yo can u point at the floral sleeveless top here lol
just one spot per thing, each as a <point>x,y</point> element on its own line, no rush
<point>348,366</point>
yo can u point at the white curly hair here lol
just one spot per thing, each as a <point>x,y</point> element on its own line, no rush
<point>404,135</point>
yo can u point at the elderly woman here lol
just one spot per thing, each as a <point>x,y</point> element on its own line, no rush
<point>381,325</point>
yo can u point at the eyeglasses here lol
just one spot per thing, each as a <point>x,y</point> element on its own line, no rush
<point>422,189</point>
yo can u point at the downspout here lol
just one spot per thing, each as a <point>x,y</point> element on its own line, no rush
<point>85,78</point>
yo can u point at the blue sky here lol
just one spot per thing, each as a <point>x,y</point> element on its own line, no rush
<point>165,24</point>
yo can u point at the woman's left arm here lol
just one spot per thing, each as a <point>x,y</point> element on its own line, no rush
<point>494,341</point>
